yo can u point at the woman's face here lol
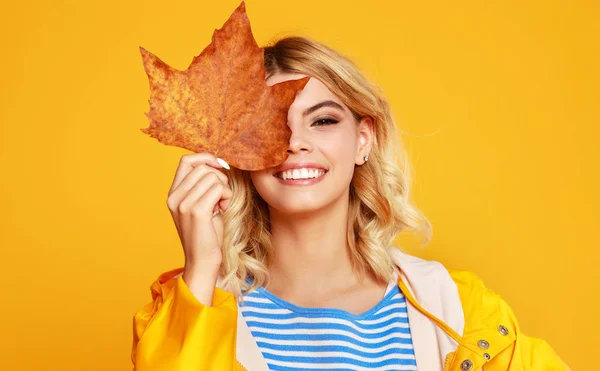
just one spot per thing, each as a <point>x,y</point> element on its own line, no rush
<point>325,145</point>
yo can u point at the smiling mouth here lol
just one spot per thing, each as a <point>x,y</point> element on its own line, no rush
<point>301,174</point>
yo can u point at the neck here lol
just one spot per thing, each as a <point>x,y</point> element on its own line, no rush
<point>311,250</point>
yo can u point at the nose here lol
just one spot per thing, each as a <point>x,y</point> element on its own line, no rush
<point>298,142</point>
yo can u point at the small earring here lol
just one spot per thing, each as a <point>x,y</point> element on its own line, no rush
<point>366,158</point>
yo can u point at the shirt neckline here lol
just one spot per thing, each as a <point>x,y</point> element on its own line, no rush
<point>391,290</point>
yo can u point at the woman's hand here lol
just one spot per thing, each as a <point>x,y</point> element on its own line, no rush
<point>200,190</point>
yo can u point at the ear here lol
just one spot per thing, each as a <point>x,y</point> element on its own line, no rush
<point>365,138</point>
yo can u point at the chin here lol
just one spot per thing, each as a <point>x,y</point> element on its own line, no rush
<point>299,200</point>
<point>297,207</point>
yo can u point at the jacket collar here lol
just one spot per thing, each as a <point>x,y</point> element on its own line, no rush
<point>435,315</point>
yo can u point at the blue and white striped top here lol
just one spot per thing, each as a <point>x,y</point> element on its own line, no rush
<point>299,338</point>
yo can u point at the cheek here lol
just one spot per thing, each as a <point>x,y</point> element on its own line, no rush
<point>262,182</point>
<point>340,150</point>
<point>257,178</point>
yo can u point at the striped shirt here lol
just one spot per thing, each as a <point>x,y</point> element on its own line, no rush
<point>300,338</point>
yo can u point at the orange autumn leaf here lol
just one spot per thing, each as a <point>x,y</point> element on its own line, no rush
<point>221,103</point>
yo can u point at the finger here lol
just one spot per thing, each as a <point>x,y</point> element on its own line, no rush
<point>187,164</point>
<point>206,202</point>
<point>226,198</point>
<point>191,197</point>
<point>198,172</point>
<point>200,220</point>
<point>194,177</point>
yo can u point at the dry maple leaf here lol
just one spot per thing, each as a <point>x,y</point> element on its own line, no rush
<point>221,103</point>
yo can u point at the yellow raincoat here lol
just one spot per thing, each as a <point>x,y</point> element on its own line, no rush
<point>457,324</point>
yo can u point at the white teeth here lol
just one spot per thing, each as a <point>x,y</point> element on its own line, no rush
<point>301,174</point>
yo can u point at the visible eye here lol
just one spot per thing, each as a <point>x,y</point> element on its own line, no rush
<point>325,121</point>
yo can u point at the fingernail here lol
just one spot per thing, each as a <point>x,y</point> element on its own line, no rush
<point>223,163</point>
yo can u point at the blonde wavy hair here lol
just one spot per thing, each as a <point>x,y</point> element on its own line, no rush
<point>379,206</point>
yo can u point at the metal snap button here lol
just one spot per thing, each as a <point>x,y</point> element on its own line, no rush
<point>466,365</point>
<point>486,356</point>
<point>483,344</point>
<point>503,330</point>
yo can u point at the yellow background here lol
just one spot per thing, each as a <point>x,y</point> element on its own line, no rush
<point>498,102</point>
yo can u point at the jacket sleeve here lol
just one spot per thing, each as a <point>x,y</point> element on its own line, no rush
<point>510,349</point>
<point>176,332</point>
<point>527,352</point>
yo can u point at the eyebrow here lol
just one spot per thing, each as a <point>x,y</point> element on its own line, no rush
<point>325,103</point>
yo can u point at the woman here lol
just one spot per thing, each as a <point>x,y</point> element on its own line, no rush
<point>294,269</point>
